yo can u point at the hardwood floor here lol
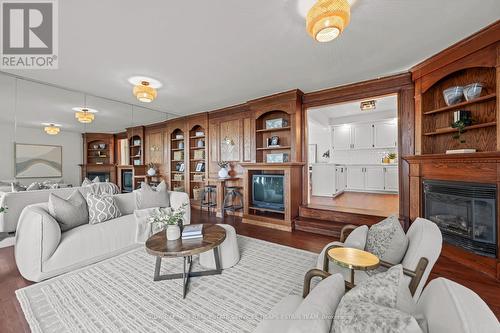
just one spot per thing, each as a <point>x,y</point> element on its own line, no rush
<point>12,318</point>
<point>377,204</point>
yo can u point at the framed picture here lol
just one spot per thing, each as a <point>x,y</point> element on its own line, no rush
<point>200,167</point>
<point>37,161</point>
<point>273,141</point>
<point>181,167</point>
<point>312,153</point>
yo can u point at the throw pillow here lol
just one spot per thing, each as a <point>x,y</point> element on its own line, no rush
<point>357,238</point>
<point>69,213</point>
<point>102,208</point>
<point>16,187</point>
<point>146,197</point>
<point>96,180</point>
<point>86,182</point>
<point>387,240</point>
<point>144,229</point>
<point>35,186</point>
<point>315,313</point>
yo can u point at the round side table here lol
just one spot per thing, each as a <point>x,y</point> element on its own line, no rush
<point>353,259</point>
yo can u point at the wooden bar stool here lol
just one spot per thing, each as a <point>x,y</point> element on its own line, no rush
<point>232,192</point>
<point>208,197</point>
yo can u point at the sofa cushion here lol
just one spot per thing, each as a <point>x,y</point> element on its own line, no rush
<point>387,240</point>
<point>102,208</point>
<point>279,319</point>
<point>86,182</point>
<point>69,213</point>
<point>315,313</point>
<point>144,228</point>
<point>357,238</point>
<point>146,197</point>
<point>90,241</point>
<point>35,186</point>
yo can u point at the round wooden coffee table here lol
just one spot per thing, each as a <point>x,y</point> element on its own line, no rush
<point>353,259</point>
<point>158,245</point>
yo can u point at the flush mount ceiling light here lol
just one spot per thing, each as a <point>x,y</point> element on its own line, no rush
<point>145,88</point>
<point>51,129</point>
<point>368,105</point>
<point>84,115</point>
<point>327,19</point>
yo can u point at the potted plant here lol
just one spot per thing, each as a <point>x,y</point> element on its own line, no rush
<point>460,125</point>
<point>3,210</point>
<point>223,172</point>
<point>392,157</point>
<point>151,169</point>
<point>170,220</point>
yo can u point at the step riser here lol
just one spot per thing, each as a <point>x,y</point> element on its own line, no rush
<point>339,217</point>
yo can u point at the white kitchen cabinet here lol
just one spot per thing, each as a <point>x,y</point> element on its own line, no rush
<point>323,180</point>
<point>340,179</point>
<point>385,134</point>
<point>391,178</point>
<point>355,178</point>
<point>341,137</point>
<point>374,178</point>
<point>362,136</point>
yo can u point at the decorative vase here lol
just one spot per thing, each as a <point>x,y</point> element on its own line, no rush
<point>392,160</point>
<point>223,173</point>
<point>151,172</point>
<point>181,145</point>
<point>200,143</point>
<point>173,232</point>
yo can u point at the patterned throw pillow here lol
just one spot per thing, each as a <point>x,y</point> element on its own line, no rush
<point>102,208</point>
<point>387,240</point>
<point>86,182</point>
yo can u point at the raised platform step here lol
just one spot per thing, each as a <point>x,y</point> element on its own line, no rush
<point>318,226</point>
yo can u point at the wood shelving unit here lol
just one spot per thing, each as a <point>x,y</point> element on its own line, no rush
<point>262,134</point>
<point>197,159</point>
<point>452,130</point>
<point>177,146</point>
<point>462,104</point>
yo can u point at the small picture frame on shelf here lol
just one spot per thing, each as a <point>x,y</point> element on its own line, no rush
<point>137,162</point>
<point>200,167</point>
<point>199,133</point>
<point>276,123</point>
<point>137,142</point>
<point>181,167</point>
<point>273,141</point>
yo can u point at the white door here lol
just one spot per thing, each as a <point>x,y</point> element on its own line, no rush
<point>362,136</point>
<point>374,178</point>
<point>391,179</point>
<point>355,178</point>
<point>323,180</point>
<point>385,134</point>
<point>340,182</point>
<point>341,137</point>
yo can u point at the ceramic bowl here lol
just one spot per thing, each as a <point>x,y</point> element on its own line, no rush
<point>473,91</point>
<point>102,146</point>
<point>453,95</point>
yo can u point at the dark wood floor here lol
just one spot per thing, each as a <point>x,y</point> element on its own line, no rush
<point>12,318</point>
<point>377,204</point>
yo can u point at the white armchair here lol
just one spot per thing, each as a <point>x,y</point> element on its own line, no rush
<point>424,248</point>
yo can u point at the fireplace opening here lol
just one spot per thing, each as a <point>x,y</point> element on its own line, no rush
<point>465,213</point>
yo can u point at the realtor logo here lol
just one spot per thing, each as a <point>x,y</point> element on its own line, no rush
<point>29,34</point>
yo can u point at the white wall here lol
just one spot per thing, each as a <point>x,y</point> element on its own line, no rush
<point>320,135</point>
<point>70,141</point>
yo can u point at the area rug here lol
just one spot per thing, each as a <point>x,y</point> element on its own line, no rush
<point>119,294</point>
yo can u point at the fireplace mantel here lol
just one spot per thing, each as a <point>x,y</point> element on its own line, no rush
<point>481,167</point>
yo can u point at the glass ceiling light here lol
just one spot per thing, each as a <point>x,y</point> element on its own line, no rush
<point>145,88</point>
<point>84,115</point>
<point>327,19</point>
<point>52,129</point>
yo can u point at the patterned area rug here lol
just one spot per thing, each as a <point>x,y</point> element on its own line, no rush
<point>119,294</point>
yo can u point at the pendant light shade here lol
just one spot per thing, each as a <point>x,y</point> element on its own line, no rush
<point>327,19</point>
<point>84,115</point>
<point>52,129</point>
<point>144,92</point>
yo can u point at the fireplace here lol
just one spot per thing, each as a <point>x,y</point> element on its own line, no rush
<point>465,213</point>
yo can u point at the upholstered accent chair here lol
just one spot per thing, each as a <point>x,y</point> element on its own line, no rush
<point>424,248</point>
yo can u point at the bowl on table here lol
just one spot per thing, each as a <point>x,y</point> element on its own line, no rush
<point>453,95</point>
<point>473,91</point>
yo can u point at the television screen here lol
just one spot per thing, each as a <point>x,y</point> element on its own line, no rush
<point>268,191</point>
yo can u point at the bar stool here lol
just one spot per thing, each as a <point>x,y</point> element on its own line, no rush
<point>210,193</point>
<point>232,192</point>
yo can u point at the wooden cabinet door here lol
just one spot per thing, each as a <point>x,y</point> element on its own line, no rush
<point>385,134</point>
<point>362,136</point>
<point>154,148</point>
<point>374,178</point>
<point>341,137</point>
<point>355,178</point>
<point>391,178</point>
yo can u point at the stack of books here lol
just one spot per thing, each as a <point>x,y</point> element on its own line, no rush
<point>192,231</point>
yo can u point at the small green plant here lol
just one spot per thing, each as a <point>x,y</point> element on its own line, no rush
<point>163,217</point>
<point>392,156</point>
<point>3,209</point>
<point>460,125</point>
<point>223,164</point>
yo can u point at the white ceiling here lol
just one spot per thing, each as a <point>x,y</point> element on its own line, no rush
<point>212,54</point>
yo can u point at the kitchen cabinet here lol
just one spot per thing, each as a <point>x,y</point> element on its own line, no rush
<point>385,134</point>
<point>362,136</point>
<point>374,178</point>
<point>341,137</point>
<point>340,179</point>
<point>355,178</point>
<point>323,180</point>
<point>391,178</point>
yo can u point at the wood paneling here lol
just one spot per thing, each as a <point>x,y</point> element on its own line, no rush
<point>247,139</point>
<point>230,134</point>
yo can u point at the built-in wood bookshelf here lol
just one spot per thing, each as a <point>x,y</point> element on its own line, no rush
<point>263,135</point>
<point>177,160</point>
<point>197,160</point>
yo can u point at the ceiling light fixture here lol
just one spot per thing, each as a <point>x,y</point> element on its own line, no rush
<point>327,19</point>
<point>145,88</point>
<point>51,129</point>
<point>368,105</point>
<point>84,115</point>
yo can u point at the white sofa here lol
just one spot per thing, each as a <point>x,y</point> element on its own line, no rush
<point>17,201</point>
<point>447,307</point>
<point>42,251</point>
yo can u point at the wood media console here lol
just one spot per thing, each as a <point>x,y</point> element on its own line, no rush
<point>292,191</point>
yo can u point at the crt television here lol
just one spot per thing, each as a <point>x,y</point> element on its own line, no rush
<point>267,192</point>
